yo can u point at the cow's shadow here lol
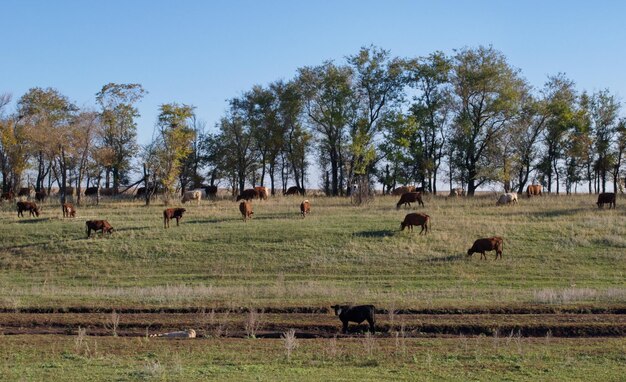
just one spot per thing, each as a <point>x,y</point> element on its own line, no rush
<point>34,220</point>
<point>448,258</point>
<point>375,233</point>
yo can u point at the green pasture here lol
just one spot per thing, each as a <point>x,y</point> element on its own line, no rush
<point>557,250</point>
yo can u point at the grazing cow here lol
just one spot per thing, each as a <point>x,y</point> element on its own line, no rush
<point>25,191</point>
<point>189,333</point>
<point>263,192</point>
<point>508,198</point>
<point>606,197</point>
<point>294,190</point>
<point>415,219</point>
<point>172,213</point>
<point>211,191</point>
<point>9,195</point>
<point>457,192</point>
<point>402,190</point>
<point>40,196</point>
<point>68,210</point>
<point>410,197</point>
<point>485,245</point>
<point>92,191</point>
<point>192,195</point>
<point>534,190</point>
<point>305,208</point>
<point>245,207</point>
<point>248,194</point>
<point>27,206</point>
<point>98,225</point>
<point>358,314</point>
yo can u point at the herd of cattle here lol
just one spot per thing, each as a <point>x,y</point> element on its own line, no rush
<point>346,313</point>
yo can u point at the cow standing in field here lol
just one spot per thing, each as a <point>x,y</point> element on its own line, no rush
<point>606,197</point>
<point>410,197</point>
<point>245,207</point>
<point>248,194</point>
<point>402,190</point>
<point>508,198</point>
<point>263,192</point>
<point>534,190</point>
<point>25,191</point>
<point>294,190</point>
<point>40,196</point>
<point>457,192</point>
<point>415,219</point>
<point>9,195</point>
<point>68,210</point>
<point>27,206</point>
<point>358,314</point>
<point>98,225</point>
<point>172,213</point>
<point>92,191</point>
<point>192,195</point>
<point>211,191</point>
<point>485,245</point>
<point>305,208</point>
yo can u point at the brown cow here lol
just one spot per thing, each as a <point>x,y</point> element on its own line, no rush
<point>98,225</point>
<point>606,197</point>
<point>248,194</point>
<point>40,196</point>
<point>9,195</point>
<point>172,213</point>
<point>27,206</point>
<point>68,210</point>
<point>485,245</point>
<point>245,207</point>
<point>534,190</point>
<point>293,190</point>
<point>402,190</point>
<point>305,208</point>
<point>410,197</point>
<point>25,191</point>
<point>457,192</point>
<point>415,219</point>
<point>263,192</point>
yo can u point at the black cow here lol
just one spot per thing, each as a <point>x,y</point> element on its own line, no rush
<point>606,198</point>
<point>358,314</point>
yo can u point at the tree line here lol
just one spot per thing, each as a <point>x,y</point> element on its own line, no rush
<point>468,119</point>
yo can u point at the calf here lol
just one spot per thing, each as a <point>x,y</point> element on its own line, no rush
<point>245,207</point>
<point>248,194</point>
<point>98,225</point>
<point>485,245</point>
<point>172,213</point>
<point>305,208</point>
<point>606,197</point>
<point>415,219</point>
<point>410,197</point>
<point>27,206</point>
<point>508,198</point>
<point>68,210</point>
<point>358,314</point>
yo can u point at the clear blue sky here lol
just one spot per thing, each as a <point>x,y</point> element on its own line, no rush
<point>204,52</point>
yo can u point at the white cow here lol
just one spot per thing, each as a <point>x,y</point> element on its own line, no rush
<point>192,195</point>
<point>508,198</point>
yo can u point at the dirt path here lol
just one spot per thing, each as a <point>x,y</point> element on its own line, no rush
<point>315,323</point>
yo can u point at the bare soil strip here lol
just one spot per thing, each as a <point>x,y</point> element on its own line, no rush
<point>271,324</point>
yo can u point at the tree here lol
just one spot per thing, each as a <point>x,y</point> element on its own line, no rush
<point>377,82</point>
<point>118,115</point>
<point>331,108</point>
<point>45,111</point>
<point>604,115</point>
<point>174,143</point>
<point>431,108</point>
<point>487,92</point>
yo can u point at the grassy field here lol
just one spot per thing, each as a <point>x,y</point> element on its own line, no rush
<point>557,251</point>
